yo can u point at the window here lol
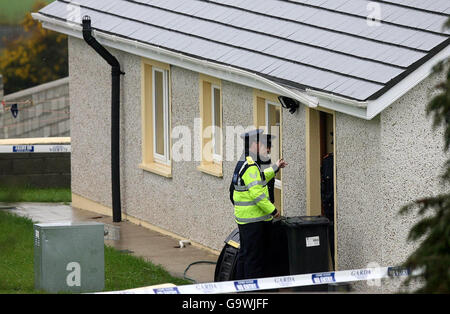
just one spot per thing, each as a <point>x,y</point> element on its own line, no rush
<point>160,116</point>
<point>216,124</point>
<point>273,123</point>
<point>156,118</point>
<point>267,115</point>
<point>211,117</point>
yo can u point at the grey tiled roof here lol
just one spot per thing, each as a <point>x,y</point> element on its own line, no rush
<point>324,45</point>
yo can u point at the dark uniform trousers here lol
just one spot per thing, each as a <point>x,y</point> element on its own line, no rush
<point>253,258</point>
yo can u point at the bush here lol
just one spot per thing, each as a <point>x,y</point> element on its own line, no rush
<point>39,57</point>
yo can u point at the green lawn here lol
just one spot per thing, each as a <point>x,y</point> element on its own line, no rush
<point>30,194</point>
<point>13,12</point>
<point>122,271</point>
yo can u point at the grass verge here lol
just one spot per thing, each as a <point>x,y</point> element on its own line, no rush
<point>122,271</point>
<point>31,194</point>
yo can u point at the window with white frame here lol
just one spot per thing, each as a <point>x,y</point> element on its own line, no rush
<point>160,92</point>
<point>273,122</point>
<point>268,115</point>
<point>211,120</point>
<point>155,110</point>
<point>216,123</point>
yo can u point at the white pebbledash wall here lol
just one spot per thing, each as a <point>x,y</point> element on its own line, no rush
<point>382,165</point>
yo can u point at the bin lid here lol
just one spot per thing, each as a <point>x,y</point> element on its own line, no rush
<point>305,220</point>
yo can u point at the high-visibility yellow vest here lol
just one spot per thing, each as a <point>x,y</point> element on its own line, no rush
<point>251,194</point>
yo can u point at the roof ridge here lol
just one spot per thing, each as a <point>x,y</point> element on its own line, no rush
<point>316,26</point>
<point>363,17</point>
<point>271,35</point>
<point>236,47</point>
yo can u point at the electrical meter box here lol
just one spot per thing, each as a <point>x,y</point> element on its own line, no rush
<point>69,257</point>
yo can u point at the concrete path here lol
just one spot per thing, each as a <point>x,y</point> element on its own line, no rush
<point>153,246</point>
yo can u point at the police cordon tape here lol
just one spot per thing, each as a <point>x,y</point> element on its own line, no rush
<point>292,281</point>
<point>35,148</point>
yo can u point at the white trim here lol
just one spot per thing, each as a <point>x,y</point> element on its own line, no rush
<point>278,183</point>
<point>216,157</point>
<point>177,59</point>
<point>268,129</point>
<point>340,99</point>
<point>335,105</point>
<point>158,157</point>
<point>35,141</point>
<point>402,87</point>
<point>370,109</point>
<point>267,113</point>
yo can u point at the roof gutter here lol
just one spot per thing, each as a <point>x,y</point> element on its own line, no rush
<point>163,55</point>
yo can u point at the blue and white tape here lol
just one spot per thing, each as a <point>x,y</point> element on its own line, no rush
<point>276,282</point>
<point>35,148</point>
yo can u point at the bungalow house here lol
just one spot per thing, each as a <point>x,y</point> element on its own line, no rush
<point>197,73</point>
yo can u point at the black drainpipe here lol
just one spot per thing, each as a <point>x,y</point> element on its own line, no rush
<point>115,115</point>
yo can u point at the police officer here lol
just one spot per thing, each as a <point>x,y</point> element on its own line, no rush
<point>252,207</point>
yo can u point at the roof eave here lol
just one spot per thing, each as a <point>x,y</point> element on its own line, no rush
<point>401,88</point>
<point>371,108</point>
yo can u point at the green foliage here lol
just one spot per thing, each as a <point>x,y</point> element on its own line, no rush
<point>432,257</point>
<point>16,254</point>
<point>12,12</point>
<point>12,194</point>
<point>39,57</point>
<point>124,271</point>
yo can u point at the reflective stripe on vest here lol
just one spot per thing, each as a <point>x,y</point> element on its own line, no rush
<point>242,188</point>
<point>251,203</point>
<point>239,172</point>
<point>246,220</point>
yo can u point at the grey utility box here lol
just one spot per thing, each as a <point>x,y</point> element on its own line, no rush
<point>69,257</point>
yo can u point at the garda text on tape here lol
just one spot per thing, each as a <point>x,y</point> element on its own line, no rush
<point>276,282</point>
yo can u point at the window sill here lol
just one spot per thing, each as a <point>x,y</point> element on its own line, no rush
<point>213,169</point>
<point>160,169</point>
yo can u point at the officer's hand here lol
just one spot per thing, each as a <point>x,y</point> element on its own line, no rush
<point>281,163</point>
<point>277,214</point>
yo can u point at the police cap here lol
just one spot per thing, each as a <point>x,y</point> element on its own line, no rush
<point>252,136</point>
<point>257,135</point>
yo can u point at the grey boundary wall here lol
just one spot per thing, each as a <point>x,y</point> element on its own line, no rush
<point>43,170</point>
<point>48,114</point>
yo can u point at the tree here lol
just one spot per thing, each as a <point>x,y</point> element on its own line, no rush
<point>432,257</point>
<point>39,57</point>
